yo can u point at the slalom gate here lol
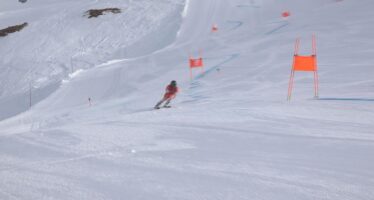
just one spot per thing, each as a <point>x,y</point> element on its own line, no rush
<point>305,64</point>
<point>214,28</point>
<point>196,63</point>
<point>286,14</point>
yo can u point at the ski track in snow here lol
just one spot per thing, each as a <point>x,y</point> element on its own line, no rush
<point>215,67</point>
<point>237,24</point>
<point>282,25</point>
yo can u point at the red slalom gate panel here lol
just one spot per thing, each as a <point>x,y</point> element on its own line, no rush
<point>196,63</point>
<point>305,64</point>
<point>214,28</point>
<point>286,14</point>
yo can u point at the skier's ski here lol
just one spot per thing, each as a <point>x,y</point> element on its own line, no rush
<point>157,108</point>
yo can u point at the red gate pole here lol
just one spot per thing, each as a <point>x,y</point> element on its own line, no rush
<point>316,84</point>
<point>202,65</point>
<point>297,43</point>
<point>290,84</point>
<point>190,74</point>
<point>189,66</point>
<point>201,61</point>
<point>316,81</point>
<point>314,46</point>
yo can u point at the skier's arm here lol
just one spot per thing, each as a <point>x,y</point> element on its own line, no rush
<point>167,90</point>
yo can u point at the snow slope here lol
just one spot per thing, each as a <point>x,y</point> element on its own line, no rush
<point>60,40</point>
<point>231,133</point>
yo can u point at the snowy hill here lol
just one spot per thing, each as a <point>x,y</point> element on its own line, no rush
<point>60,39</point>
<point>231,134</point>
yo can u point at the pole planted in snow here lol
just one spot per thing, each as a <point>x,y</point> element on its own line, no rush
<point>71,64</point>
<point>30,92</point>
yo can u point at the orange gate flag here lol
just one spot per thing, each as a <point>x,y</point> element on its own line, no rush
<point>286,14</point>
<point>214,28</point>
<point>304,63</point>
<point>196,63</point>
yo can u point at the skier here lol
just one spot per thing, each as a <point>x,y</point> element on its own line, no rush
<point>171,92</point>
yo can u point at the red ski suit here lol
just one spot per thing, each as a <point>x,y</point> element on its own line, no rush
<point>171,92</point>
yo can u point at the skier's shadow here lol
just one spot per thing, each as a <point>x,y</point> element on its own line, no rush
<point>345,99</point>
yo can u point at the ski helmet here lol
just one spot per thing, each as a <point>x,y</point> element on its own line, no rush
<point>173,83</point>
